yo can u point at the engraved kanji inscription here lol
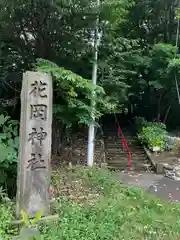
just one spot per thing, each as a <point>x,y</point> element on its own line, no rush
<point>39,89</point>
<point>39,136</point>
<point>38,111</point>
<point>36,162</point>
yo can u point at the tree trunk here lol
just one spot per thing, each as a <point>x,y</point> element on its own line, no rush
<point>159,108</point>
<point>166,114</point>
<point>58,137</point>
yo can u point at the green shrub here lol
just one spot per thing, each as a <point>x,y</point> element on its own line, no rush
<point>153,135</point>
<point>9,142</point>
<point>5,218</point>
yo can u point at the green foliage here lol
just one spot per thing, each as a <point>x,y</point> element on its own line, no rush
<point>5,219</point>
<point>74,94</point>
<point>115,11</point>
<point>31,222</point>
<point>174,67</point>
<point>178,13</point>
<point>153,135</point>
<point>29,230</point>
<point>9,142</point>
<point>162,60</point>
<point>117,56</point>
<point>99,179</point>
<point>152,88</point>
<point>133,69</point>
<point>117,210</point>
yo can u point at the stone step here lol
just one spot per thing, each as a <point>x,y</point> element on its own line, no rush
<point>120,139</point>
<point>143,168</point>
<point>124,153</point>
<point>108,139</point>
<point>110,162</point>
<point>119,149</point>
<point>134,148</point>
<point>140,168</point>
<point>112,153</point>
<point>120,143</point>
<point>120,160</point>
<point>130,148</point>
<point>124,161</point>
<point>111,159</point>
<point>116,158</point>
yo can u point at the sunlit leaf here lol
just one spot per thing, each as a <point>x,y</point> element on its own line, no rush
<point>37,217</point>
<point>25,219</point>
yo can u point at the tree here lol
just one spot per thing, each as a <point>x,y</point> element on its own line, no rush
<point>72,98</point>
<point>134,38</point>
<point>152,21</point>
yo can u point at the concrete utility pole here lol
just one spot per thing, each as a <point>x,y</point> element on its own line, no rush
<point>91,134</point>
<point>177,42</point>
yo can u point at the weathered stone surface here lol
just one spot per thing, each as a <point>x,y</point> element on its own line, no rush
<point>173,173</point>
<point>171,170</point>
<point>168,166</point>
<point>160,168</point>
<point>35,144</point>
<point>170,142</point>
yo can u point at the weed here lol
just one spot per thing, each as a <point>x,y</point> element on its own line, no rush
<point>29,230</point>
<point>118,213</point>
<point>5,219</point>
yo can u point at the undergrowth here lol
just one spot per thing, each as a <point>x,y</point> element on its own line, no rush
<point>117,212</point>
<point>92,205</point>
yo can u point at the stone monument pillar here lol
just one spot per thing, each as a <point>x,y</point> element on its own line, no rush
<point>35,144</point>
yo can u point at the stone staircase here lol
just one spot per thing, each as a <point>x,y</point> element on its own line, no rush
<point>116,158</point>
<point>108,151</point>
